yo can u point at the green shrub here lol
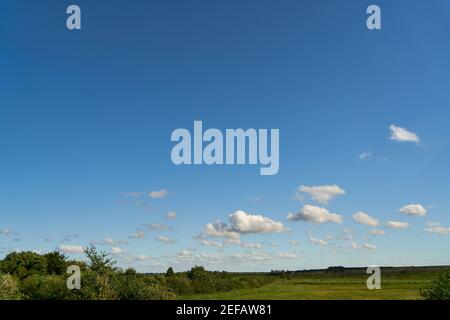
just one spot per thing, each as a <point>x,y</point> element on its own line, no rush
<point>180,285</point>
<point>9,289</point>
<point>439,288</point>
<point>45,287</point>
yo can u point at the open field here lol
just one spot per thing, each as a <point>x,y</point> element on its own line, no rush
<point>396,283</point>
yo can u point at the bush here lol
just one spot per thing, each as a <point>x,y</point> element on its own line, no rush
<point>8,288</point>
<point>439,288</point>
<point>47,287</point>
<point>180,285</point>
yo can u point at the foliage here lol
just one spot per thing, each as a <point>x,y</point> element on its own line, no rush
<point>24,264</point>
<point>439,288</point>
<point>43,277</point>
<point>169,272</point>
<point>99,261</point>
<point>9,289</point>
<point>56,263</point>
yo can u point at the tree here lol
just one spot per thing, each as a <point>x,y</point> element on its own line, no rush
<point>99,261</point>
<point>169,272</point>
<point>56,263</point>
<point>198,273</point>
<point>24,264</point>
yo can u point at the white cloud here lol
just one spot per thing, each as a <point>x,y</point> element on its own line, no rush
<point>165,240</point>
<point>142,257</point>
<point>137,235</point>
<point>377,232</point>
<point>158,227</point>
<point>321,194</point>
<point>364,218</point>
<point>294,242</point>
<point>313,240</point>
<point>366,155</point>
<point>248,223</point>
<point>397,224</point>
<point>369,246</point>
<point>116,250</point>
<point>315,214</point>
<point>220,230</point>
<point>402,135</point>
<point>413,210</point>
<point>435,227</point>
<point>211,243</point>
<point>354,245</point>
<point>71,248</point>
<point>242,223</point>
<point>158,194</point>
<point>171,215</point>
<point>286,255</point>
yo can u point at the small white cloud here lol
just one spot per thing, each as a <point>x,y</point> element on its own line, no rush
<point>317,241</point>
<point>165,240</point>
<point>294,242</point>
<point>116,250</point>
<point>315,214</point>
<point>354,245</point>
<point>435,227</point>
<point>377,232</point>
<point>364,218</point>
<point>402,135</point>
<point>413,210</point>
<point>71,248</point>
<point>137,235</point>
<point>366,155</point>
<point>369,246</point>
<point>158,194</point>
<point>211,243</point>
<point>287,255</point>
<point>158,227</point>
<point>171,215</point>
<point>397,224</point>
<point>322,194</point>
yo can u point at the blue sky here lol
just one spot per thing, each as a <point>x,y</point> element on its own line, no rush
<point>86,118</point>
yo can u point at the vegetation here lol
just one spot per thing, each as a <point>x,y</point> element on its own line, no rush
<point>28,275</point>
<point>439,288</point>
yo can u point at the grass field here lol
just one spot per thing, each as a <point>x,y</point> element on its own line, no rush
<point>394,286</point>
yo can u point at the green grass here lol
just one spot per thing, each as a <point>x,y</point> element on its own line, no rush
<point>325,287</point>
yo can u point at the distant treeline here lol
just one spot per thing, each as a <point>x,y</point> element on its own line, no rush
<point>28,275</point>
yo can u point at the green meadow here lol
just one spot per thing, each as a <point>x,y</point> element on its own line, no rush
<point>402,285</point>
